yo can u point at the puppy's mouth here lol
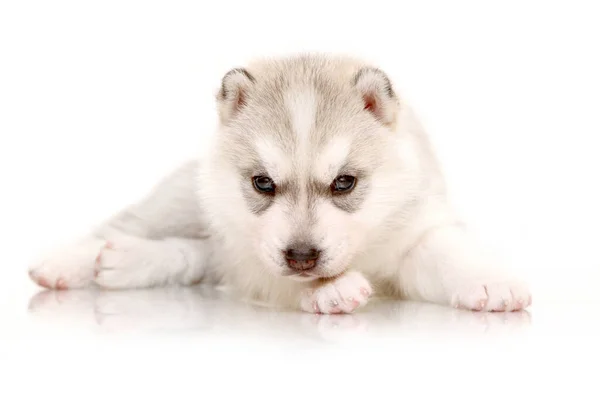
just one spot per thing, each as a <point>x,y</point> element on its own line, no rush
<point>301,276</point>
<point>307,276</point>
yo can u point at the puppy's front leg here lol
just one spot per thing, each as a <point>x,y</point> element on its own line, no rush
<point>159,240</point>
<point>342,294</point>
<point>448,267</point>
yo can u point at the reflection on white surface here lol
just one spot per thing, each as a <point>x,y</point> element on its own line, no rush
<point>178,342</point>
<point>209,311</point>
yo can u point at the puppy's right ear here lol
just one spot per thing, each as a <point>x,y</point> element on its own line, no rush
<point>232,94</point>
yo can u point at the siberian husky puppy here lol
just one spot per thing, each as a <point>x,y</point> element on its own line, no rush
<point>318,190</point>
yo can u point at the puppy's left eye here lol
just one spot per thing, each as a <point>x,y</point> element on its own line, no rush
<point>343,184</point>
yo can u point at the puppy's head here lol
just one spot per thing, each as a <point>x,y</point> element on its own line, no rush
<point>304,166</point>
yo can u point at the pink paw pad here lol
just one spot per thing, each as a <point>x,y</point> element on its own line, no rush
<point>97,264</point>
<point>316,308</point>
<point>60,284</point>
<point>502,307</point>
<point>480,305</point>
<point>353,303</point>
<point>43,282</point>
<point>519,305</point>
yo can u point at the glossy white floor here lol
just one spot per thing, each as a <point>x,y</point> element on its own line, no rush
<point>194,342</point>
<point>98,100</point>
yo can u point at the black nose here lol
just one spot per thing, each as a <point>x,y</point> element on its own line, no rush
<point>301,258</point>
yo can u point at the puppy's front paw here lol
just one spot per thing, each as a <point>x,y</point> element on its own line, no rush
<point>491,295</point>
<point>342,295</point>
<point>69,268</point>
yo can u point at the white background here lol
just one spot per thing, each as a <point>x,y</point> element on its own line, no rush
<point>99,99</point>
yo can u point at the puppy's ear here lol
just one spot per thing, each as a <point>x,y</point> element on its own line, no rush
<point>378,95</point>
<point>232,94</point>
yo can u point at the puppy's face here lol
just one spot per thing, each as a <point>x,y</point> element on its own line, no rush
<point>309,167</point>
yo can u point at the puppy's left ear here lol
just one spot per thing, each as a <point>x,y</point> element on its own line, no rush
<point>378,95</point>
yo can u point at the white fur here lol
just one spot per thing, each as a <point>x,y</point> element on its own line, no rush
<point>403,238</point>
<point>331,158</point>
<point>275,161</point>
<point>302,108</point>
<point>136,262</point>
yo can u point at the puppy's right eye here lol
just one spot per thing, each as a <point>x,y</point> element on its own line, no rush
<point>264,184</point>
<point>343,184</point>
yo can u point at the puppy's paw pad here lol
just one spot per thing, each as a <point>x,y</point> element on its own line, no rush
<point>343,295</point>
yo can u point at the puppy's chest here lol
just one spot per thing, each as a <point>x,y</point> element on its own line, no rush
<point>380,260</point>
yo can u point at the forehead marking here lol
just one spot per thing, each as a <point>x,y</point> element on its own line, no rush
<point>301,104</point>
<point>302,108</point>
